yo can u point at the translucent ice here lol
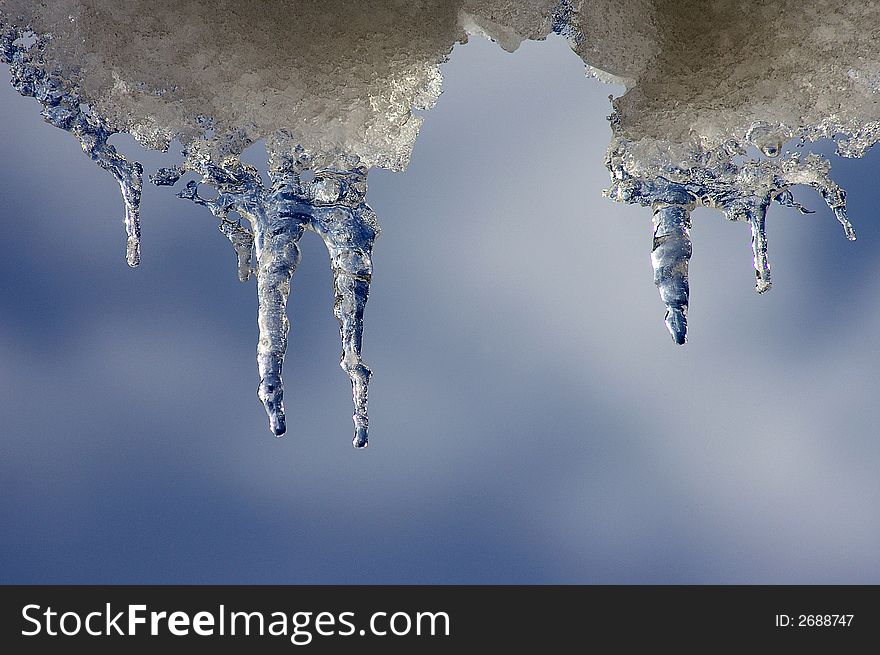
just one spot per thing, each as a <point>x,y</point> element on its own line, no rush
<point>331,204</point>
<point>714,91</point>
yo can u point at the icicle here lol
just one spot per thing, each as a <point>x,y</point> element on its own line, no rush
<point>129,175</point>
<point>814,172</point>
<point>348,227</point>
<point>241,237</point>
<point>349,233</point>
<point>63,109</point>
<point>757,220</point>
<point>670,255</point>
<point>242,240</point>
<point>278,217</point>
<point>840,215</point>
<point>278,254</point>
<point>835,198</point>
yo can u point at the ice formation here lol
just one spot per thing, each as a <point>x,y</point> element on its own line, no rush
<point>708,80</point>
<point>714,89</point>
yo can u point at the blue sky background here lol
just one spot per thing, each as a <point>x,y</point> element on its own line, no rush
<point>531,420</point>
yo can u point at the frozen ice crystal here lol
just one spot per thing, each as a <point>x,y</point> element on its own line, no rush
<point>714,91</point>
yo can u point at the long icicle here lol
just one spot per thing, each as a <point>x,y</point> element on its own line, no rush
<point>349,234</point>
<point>278,254</point>
<point>670,255</point>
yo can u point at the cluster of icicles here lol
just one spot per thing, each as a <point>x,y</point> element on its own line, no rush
<point>331,202</point>
<point>743,192</point>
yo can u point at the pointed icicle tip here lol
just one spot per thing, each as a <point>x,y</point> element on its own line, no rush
<point>840,215</point>
<point>278,422</point>
<point>676,323</point>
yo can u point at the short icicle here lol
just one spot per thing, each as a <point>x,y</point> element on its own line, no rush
<point>242,240</point>
<point>670,255</point>
<point>129,176</point>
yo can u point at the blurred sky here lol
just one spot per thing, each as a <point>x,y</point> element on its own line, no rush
<point>531,419</point>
